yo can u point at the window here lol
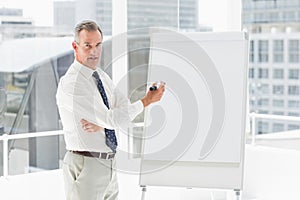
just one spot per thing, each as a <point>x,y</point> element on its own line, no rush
<point>293,104</point>
<point>277,127</point>
<point>278,103</point>
<point>263,73</point>
<point>294,114</point>
<point>278,73</point>
<point>252,88</point>
<point>278,89</point>
<point>289,16</point>
<point>263,127</point>
<point>251,73</point>
<point>278,113</point>
<point>264,88</point>
<point>263,48</point>
<point>294,74</point>
<point>293,127</point>
<point>278,51</point>
<point>252,102</point>
<point>251,53</point>
<point>293,46</point>
<point>273,16</point>
<point>293,90</point>
<point>263,102</point>
<point>263,112</point>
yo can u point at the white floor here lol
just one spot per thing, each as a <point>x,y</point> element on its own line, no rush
<point>48,185</point>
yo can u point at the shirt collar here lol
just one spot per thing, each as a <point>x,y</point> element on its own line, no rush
<point>86,71</point>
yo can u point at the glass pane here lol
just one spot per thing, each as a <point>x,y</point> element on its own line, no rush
<point>35,154</point>
<point>16,85</point>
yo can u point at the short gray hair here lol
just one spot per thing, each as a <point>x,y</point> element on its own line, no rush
<point>88,25</point>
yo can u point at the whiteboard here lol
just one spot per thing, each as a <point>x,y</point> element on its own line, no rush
<point>195,135</point>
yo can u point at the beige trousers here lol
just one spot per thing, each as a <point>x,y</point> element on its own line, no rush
<point>89,178</point>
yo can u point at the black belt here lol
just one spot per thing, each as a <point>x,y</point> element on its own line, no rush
<point>109,155</point>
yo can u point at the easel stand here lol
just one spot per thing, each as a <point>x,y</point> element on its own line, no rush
<point>237,194</point>
<point>144,189</point>
<point>236,191</point>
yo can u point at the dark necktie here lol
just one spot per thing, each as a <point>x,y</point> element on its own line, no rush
<point>110,136</point>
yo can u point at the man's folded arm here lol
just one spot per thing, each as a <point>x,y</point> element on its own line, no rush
<point>85,105</point>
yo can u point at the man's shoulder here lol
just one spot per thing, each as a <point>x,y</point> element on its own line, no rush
<point>72,71</point>
<point>72,79</point>
<point>72,75</point>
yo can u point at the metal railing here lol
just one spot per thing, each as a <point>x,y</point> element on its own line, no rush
<point>6,138</point>
<point>254,116</point>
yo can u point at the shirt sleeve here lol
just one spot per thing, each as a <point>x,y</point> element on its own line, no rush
<point>135,109</point>
<point>120,101</point>
<point>81,100</point>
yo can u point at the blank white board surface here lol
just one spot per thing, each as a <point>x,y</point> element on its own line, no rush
<point>195,135</point>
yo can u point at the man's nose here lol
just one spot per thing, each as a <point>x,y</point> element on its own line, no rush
<point>95,50</point>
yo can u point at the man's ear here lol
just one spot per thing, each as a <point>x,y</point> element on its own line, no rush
<point>74,45</point>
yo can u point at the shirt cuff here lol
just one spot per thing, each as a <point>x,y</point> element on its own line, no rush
<point>136,108</point>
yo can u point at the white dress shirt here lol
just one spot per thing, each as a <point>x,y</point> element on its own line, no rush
<point>79,98</point>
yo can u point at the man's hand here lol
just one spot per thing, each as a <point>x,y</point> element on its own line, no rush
<point>90,127</point>
<point>154,96</point>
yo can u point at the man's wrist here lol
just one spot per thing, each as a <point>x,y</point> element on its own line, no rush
<point>145,102</point>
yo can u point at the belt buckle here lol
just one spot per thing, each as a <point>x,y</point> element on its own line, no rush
<point>109,155</point>
<point>106,156</point>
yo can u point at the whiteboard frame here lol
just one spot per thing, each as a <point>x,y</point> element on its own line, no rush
<point>202,174</point>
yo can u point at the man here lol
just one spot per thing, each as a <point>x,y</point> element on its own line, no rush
<point>91,109</point>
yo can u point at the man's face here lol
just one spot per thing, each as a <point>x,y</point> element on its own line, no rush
<point>88,48</point>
